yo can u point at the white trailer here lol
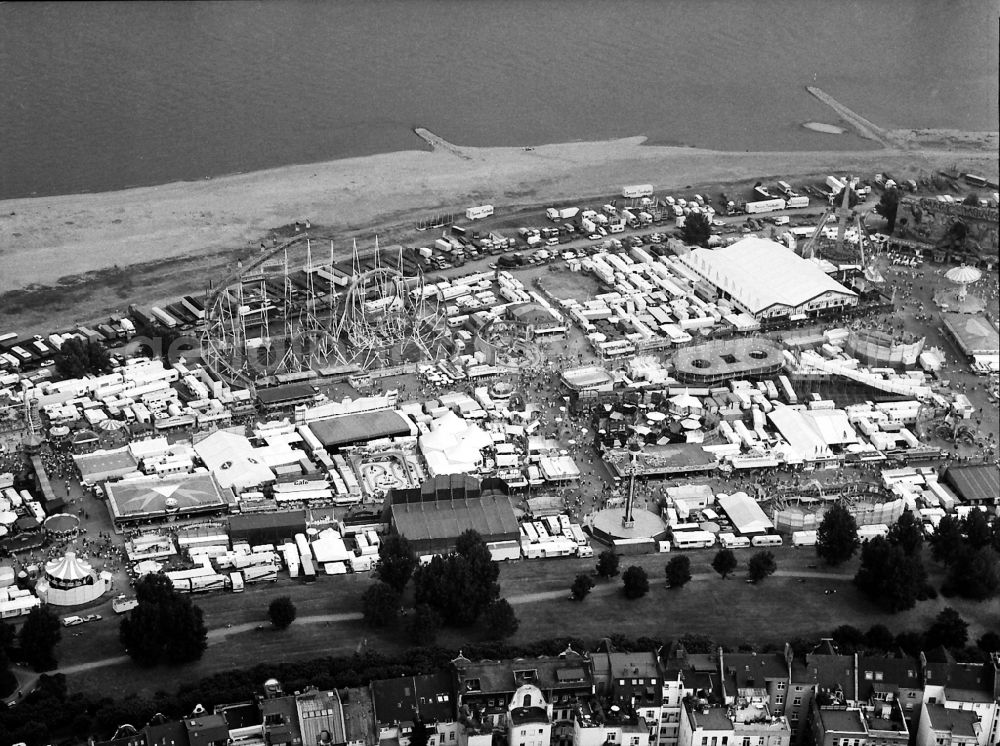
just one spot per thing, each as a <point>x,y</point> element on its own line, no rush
<point>693,540</point>
<point>803,538</point>
<point>872,531</point>
<point>168,321</point>
<point>478,212</point>
<point>731,541</point>
<point>260,573</point>
<point>765,205</point>
<point>634,191</point>
<point>798,201</point>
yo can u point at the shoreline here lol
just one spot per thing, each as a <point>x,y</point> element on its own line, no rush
<point>59,241</point>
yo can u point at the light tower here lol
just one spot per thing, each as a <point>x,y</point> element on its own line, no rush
<point>634,449</point>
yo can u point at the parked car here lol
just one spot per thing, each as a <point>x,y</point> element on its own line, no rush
<point>72,621</point>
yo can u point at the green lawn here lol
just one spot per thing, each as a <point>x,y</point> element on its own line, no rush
<point>730,611</point>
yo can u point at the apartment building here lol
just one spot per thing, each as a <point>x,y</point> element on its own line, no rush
<point>486,688</point>
<point>973,687</point>
<point>684,674</point>
<point>633,682</point>
<point>744,723</point>
<point>941,726</point>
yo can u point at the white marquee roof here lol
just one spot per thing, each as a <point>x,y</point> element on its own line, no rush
<point>761,274</point>
<point>68,568</point>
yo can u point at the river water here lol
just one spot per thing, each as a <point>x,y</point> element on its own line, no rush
<point>99,96</point>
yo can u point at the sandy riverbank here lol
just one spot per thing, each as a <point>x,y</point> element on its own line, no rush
<point>78,258</point>
<point>45,239</point>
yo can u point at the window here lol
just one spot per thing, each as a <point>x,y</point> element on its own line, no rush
<point>523,731</point>
<point>781,686</point>
<point>704,741</point>
<point>910,695</point>
<point>621,682</point>
<point>878,676</point>
<point>780,699</point>
<point>635,682</point>
<point>868,675</point>
<point>746,741</point>
<point>797,701</point>
<point>795,717</point>
<point>451,736</point>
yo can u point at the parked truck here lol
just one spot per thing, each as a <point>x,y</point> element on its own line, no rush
<point>798,201</point>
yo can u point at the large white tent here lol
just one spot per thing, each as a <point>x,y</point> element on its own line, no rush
<point>233,461</point>
<point>764,278</point>
<point>747,516</point>
<point>453,445</point>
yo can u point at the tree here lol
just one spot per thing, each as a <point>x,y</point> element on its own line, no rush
<point>460,586</point>
<point>989,642</point>
<point>281,612</point>
<point>848,638</point>
<point>39,636</point>
<point>947,540</point>
<point>724,562</point>
<point>424,625</point>
<point>837,536</point>
<point>420,733</point>
<point>852,197</point>
<point>7,638</point>
<point>76,358</point>
<point>581,586</point>
<point>879,637</point>
<point>889,576</point>
<point>696,230</point>
<point>165,627</point>
<point>380,604</point>
<point>995,538</point>
<point>907,533</point>
<point>678,571</point>
<point>972,199</point>
<point>948,629</point>
<point>761,565</point>
<point>607,564</point>
<point>635,582</point>
<point>396,561</point>
<point>974,573</point>
<point>887,207</point>
<point>500,619</point>
<point>977,530</point>
<point>910,642</point>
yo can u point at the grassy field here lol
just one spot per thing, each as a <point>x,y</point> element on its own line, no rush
<point>729,611</point>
